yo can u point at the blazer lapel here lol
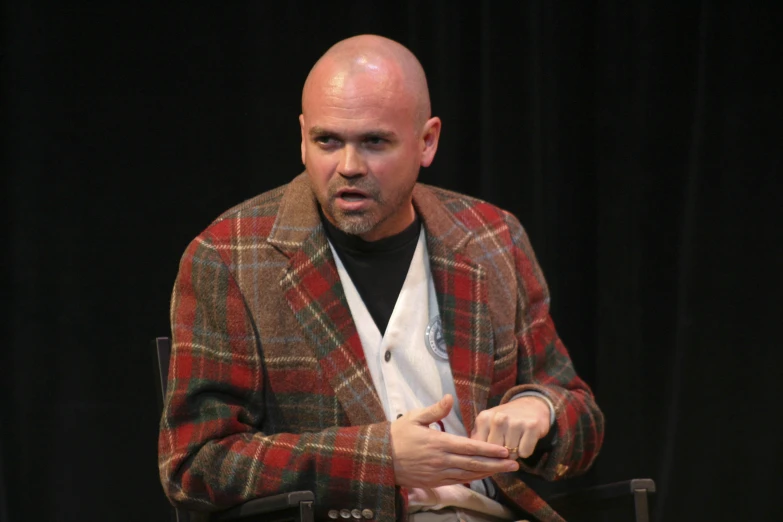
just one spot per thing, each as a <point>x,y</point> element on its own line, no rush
<point>313,290</point>
<point>462,299</point>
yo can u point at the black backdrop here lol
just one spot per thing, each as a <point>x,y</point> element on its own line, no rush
<point>640,145</point>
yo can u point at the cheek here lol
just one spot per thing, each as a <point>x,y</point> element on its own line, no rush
<point>392,168</point>
<point>319,165</point>
<point>320,170</point>
<point>397,172</point>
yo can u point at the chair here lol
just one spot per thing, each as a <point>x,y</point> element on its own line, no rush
<point>297,506</point>
<point>592,503</point>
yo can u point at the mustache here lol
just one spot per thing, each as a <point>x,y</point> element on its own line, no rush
<point>366,185</point>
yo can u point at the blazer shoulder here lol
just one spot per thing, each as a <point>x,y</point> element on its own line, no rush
<point>477,215</point>
<point>265,203</point>
<point>253,217</point>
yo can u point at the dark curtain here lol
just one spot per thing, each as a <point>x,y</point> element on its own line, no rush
<point>638,142</point>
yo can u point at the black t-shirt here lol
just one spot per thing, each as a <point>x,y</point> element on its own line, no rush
<point>377,268</point>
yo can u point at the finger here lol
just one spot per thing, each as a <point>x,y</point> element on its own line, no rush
<point>455,444</point>
<point>498,427</point>
<point>528,442</point>
<point>513,438</point>
<point>481,465</point>
<point>461,476</point>
<point>480,429</point>
<point>434,413</point>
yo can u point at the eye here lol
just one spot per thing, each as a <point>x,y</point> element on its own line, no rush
<point>375,141</point>
<point>327,141</point>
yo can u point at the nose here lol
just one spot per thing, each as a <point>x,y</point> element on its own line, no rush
<point>351,163</point>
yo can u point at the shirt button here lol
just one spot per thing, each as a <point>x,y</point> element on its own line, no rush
<point>387,356</point>
<point>345,513</point>
<point>333,514</point>
<point>355,513</point>
<point>367,514</point>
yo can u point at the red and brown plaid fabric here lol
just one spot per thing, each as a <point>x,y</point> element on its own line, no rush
<point>269,390</point>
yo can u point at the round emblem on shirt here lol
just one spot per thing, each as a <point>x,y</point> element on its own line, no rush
<point>433,338</point>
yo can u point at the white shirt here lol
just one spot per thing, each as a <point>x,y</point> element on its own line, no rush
<point>410,369</point>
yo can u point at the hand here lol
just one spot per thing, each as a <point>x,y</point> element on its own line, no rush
<point>427,458</point>
<point>520,424</point>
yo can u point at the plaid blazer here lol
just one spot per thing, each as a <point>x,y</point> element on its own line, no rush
<point>269,390</point>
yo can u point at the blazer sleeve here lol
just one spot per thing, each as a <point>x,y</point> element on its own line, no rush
<point>211,453</point>
<point>544,366</point>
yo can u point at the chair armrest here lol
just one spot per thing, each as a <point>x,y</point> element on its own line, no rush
<point>634,492</point>
<point>282,503</point>
<point>604,491</point>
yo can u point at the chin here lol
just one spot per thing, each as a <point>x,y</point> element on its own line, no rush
<point>354,223</point>
<point>356,227</point>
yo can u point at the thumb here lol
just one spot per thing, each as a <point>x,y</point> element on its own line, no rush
<point>434,413</point>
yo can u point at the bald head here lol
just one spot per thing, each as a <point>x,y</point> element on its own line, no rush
<point>369,58</point>
<point>366,133</point>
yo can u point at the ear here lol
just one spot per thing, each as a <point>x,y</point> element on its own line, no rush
<point>429,140</point>
<point>302,129</point>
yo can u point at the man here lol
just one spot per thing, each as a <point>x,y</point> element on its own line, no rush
<point>382,343</point>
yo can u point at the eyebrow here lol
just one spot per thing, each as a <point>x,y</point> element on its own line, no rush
<point>379,133</point>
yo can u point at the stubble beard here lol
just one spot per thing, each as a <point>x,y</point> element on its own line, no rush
<point>354,223</point>
<point>361,222</point>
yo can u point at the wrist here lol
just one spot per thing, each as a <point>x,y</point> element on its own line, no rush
<point>542,397</point>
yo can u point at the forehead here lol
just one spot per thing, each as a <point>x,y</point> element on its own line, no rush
<point>358,97</point>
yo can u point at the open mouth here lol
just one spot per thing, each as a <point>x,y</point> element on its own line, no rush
<point>352,200</point>
<point>352,196</point>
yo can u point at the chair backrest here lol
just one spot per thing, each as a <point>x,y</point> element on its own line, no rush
<point>163,355</point>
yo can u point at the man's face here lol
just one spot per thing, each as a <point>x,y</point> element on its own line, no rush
<point>362,146</point>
